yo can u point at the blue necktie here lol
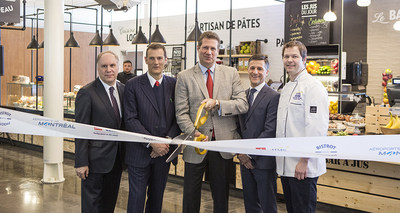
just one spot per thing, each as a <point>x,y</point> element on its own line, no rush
<point>251,96</point>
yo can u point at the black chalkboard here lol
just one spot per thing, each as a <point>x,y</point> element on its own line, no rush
<point>304,21</point>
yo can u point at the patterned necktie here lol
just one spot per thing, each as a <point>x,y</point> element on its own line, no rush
<point>209,84</point>
<point>115,105</point>
<point>251,96</point>
<point>157,84</point>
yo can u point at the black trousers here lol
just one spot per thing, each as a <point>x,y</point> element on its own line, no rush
<point>218,169</point>
<point>300,195</point>
<point>99,191</point>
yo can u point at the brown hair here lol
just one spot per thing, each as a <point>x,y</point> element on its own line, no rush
<point>298,44</point>
<point>156,46</point>
<point>259,57</point>
<point>208,35</point>
<point>105,52</point>
<point>127,61</point>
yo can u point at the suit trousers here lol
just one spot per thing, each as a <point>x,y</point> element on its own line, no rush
<point>300,195</point>
<point>153,179</point>
<point>259,190</point>
<point>218,169</point>
<point>99,192</point>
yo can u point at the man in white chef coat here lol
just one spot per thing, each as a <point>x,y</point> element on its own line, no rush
<point>303,111</point>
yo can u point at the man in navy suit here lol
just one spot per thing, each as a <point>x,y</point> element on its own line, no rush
<point>99,163</point>
<point>259,172</point>
<point>149,109</point>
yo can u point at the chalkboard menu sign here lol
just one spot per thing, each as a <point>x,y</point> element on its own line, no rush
<point>304,21</point>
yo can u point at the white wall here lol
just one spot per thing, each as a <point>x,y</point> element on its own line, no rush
<point>271,27</point>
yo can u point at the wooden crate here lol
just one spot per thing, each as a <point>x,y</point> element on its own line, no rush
<point>253,46</point>
<point>371,119</point>
<point>373,128</point>
<point>371,110</point>
<point>384,111</point>
<point>383,120</point>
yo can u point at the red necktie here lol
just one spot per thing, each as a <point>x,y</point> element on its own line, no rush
<point>209,84</point>
<point>157,84</point>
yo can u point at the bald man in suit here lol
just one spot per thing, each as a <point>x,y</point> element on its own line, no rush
<point>99,163</point>
<point>220,88</point>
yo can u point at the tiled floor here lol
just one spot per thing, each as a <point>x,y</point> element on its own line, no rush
<point>21,190</point>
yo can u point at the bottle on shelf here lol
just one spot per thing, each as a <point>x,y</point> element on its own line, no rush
<point>221,48</point>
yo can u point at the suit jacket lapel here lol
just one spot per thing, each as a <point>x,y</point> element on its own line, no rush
<point>167,92</point>
<point>198,76</point>
<point>217,77</point>
<point>101,92</point>
<point>121,98</point>
<point>257,100</point>
<point>148,91</point>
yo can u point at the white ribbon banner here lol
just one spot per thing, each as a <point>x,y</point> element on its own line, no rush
<point>372,147</point>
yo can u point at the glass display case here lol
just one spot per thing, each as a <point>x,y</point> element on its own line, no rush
<point>25,95</point>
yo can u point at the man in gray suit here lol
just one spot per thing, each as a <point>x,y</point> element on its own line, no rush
<point>258,172</point>
<point>221,89</point>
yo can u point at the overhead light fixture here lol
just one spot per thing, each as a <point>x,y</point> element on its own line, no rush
<point>71,41</point>
<point>140,38</point>
<point>110,40</point>
<point>196,32</point>
<point>41,45</point>
<point>363,3</point>
<point>33,45</point>
<point>156,37</point>
<point>396,26</point>
<point>330,16</point>
<point>96,41</point>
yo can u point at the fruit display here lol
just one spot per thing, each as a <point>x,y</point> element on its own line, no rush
<point>335,66</point>
<point>245,49</point>
<point>324,70</point>
<point>312,67</point>
<point>386,78</point>
<point>333,107</point>
<point>394,122</point>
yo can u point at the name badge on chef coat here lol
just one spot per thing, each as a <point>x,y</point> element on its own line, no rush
<point>313,109</point>
<point>297,96</point>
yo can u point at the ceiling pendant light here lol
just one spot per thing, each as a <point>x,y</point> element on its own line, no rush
<point>140,38</point>
<point>41,45</point>
<point>96,41</point>
<point>156,37</point>
<point>196,32</point>
<point>111,40</point>
<point>33,45</point>
<point>396,26</point>
<point>330,16</point>
<point>71,41</point>
<point>363,3</point>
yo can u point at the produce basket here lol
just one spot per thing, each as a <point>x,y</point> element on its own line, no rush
<point>388,131</point>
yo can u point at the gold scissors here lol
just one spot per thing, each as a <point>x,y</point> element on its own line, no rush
<point>200,121</point>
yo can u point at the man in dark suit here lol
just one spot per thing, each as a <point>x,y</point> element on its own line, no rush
<point>259,172</point>
<point>99,163</point>
<point>149,109</point>
<point>220,88</point>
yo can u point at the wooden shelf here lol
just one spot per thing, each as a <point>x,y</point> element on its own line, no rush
<point>243,72</point>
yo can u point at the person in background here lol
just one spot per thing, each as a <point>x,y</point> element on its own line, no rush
<point>259,172</point>
<point>127,74</point>
<point>149,109</point>
<point>99,163</point>
<point>220,88</point>
<point>303,111</point>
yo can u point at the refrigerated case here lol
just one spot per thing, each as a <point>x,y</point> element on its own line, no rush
<point>25,95</point>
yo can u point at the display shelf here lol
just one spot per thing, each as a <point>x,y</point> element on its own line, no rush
<point>24,95</point>
<point>235,56</point>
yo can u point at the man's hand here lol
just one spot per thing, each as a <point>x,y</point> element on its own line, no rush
<point>245,161</point>
<point>210,104</point>
<point>301,169</point>
<point>82,172</point>
<point>159,150</point>
<point>197,134</point>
